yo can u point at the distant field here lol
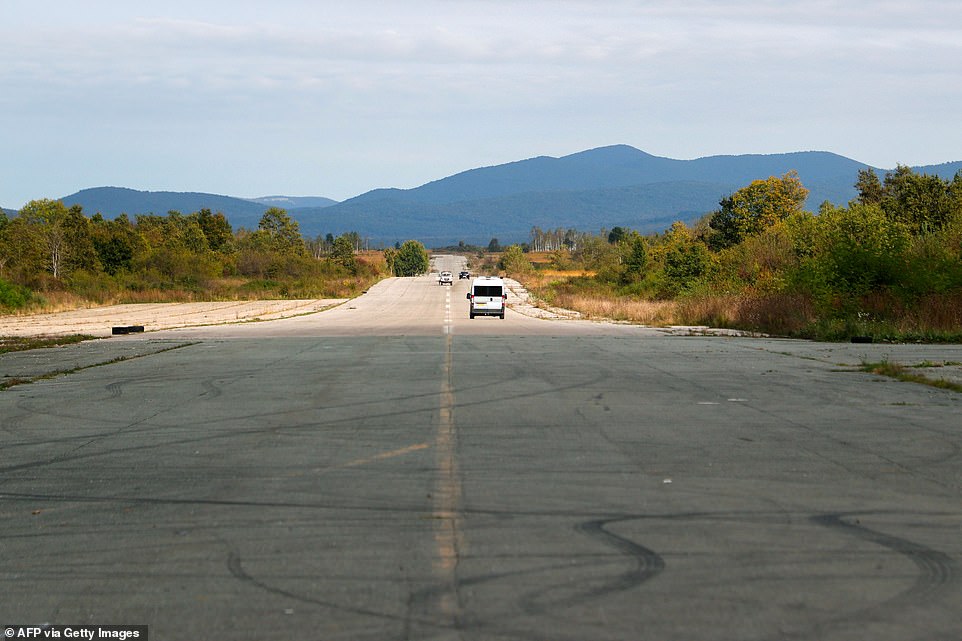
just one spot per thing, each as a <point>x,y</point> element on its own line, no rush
<point>565,273</point>
<point>542,262</point>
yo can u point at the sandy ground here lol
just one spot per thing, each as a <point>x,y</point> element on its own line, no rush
<point>99,321</point>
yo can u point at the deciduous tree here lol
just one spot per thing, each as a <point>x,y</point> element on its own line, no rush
<point>411,259</point>
<point>63,235</point>
<point>756,207</point>
<point>513,260</point>
<point>342,253</point>
<point>277,231</point>
<point>921,201</point>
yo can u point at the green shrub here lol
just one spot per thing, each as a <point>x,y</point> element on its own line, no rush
<point>14,297</point>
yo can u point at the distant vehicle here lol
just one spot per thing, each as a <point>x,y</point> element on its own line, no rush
<point>446,278</point>
<point>464,275</point>
<point>488,297</point>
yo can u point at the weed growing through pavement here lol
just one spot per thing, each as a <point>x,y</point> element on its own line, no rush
<point>902,373</point>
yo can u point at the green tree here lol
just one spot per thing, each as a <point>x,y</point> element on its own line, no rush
<point>217,230</point>
<point>354,238</point>
<point>494,246</point>
<point>411,259</point>
<point>63,235</point>
<point>280,233</point>
<point>513,261</point>
<point>4,241</point>
<point>870,190</point>
<point>596,253</point>
<point>193,237</point>
<point>923,202</point>
<point>115,242</point>
<point>21,251</point>
<point>857,250</point>
<point>635,259</point>
<point>390,256</point>
<point>617,234</point>
<point>756,207</point>
<point>342,253</point>
<point>686,260</point>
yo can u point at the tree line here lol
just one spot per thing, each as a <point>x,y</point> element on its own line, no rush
<point>889,262</point>
<point>49,247</point>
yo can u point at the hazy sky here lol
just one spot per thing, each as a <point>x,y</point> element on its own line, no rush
<point>301,97</point>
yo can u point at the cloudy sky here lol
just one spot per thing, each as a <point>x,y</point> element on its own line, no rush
<point>307,97</point>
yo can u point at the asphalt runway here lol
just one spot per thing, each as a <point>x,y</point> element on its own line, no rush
<point>390,469</point>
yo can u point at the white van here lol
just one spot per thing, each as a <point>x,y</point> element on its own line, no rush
<point>488,296</point>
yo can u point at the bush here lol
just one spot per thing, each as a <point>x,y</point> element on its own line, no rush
<point>14,297</point>
<point>514,262</point>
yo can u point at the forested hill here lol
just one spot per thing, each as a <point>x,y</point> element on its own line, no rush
<point>113,201</point>
<point>617,185</point>
<point>604,187</point>
<point>623,166</point>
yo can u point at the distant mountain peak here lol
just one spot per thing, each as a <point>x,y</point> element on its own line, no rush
<point>611,152</point>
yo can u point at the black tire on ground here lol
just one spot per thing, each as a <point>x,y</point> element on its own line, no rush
<point>126,329</point>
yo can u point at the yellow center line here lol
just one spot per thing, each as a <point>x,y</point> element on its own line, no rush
<point>448,535</point>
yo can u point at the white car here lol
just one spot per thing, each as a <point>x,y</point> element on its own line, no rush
<point>446,278</point>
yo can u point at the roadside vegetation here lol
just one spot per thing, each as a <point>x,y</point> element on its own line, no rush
<point>888,266</point>
<point>53,257</point>
<point>23,343</point>
<point>906,375</point>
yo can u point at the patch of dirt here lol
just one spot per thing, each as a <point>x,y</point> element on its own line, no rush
<point>99,321</point>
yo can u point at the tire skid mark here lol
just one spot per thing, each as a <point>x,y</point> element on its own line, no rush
<point>211,389</point>
<point>13,421</point>
<point>236,569</point>
<point>114,390</point>
<point>937,570</point>
<point>645,564</point>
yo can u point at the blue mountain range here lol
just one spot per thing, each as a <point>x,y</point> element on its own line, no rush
<point>590,190</point>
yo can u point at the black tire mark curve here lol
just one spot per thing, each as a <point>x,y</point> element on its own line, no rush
<point>236,569</point>
<point>936,569</point>
<point>646,564</point>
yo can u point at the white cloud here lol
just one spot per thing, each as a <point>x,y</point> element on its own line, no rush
<point>459,84</point>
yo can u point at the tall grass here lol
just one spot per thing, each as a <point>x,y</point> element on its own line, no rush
<point>645,312</point>
<point>880,315</point>
<point>782,314</point>
<point>594,300</point>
